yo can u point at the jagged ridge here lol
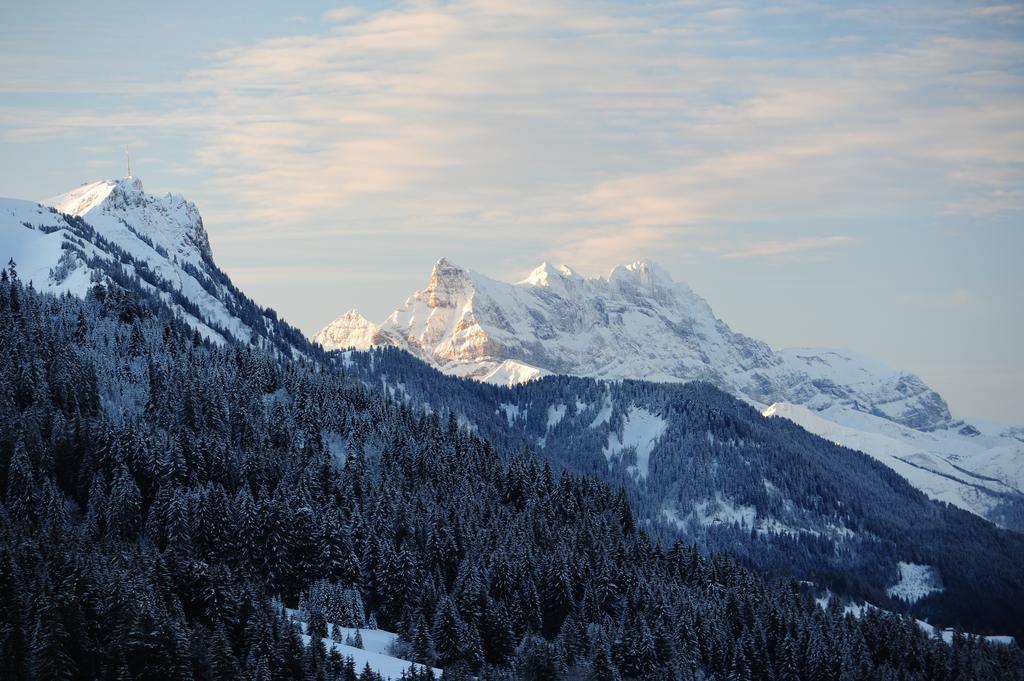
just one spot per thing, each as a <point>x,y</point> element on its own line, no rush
<point>113,232</point>
<point>636,323</point>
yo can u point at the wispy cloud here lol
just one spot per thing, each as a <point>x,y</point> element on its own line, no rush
<point>784,248</point>
<point>601,126</point>
<point>956,299</point>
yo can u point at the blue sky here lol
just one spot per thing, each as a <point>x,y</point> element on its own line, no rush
<point>823,173</point>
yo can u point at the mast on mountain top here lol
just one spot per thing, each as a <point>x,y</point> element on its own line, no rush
<point>128,159</point>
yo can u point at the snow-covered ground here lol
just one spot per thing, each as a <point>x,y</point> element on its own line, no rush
<point>604,414</point>
<point>640,432</point>
<point>916,582</point>
<point>377,649</point>
<point>24,239</point>
<point>858,609</point>
<point>511,372</point>
<point>511,412</point>
<point>556,413</point>
<point>974,473</point>
<point>723,511</point>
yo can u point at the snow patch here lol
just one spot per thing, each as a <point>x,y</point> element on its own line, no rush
<point>511,372</point>
<point>916,582</point>
<point>640,432</point>
<point>721,510</point>
<point>376,651</point>
<point>556,413</point>
<point>604,415</point>
<point>511,412</point>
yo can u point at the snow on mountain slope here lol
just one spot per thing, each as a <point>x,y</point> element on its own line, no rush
<point>916,582</point>
<point>511,372</point>
<point>113,231</point>
<point>638,323</point>
<point>38,249</point>
<point>640,433</point>
<point>378,646</point>
<point>977,473</point>
<point>124,213</point>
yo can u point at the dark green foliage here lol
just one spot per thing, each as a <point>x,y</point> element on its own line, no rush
<point>197,482</point>
<point>815,511</point>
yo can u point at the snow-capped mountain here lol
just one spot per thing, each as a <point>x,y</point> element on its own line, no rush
<point>112,231</point>
<point>638,323</point>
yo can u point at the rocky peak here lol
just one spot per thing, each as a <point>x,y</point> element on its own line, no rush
<point>168,221</point>
<point>126,192</point>
<point>349,330</point>
<point>547,274</point>
<point>637,323</point>
<point>448,283</point>
<point>645,273</point>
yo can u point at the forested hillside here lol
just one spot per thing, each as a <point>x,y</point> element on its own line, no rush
<point>699,464</point>
<point>160,491</point>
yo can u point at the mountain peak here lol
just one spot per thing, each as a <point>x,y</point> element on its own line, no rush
<point>113,232</point>
<point>636,323</point>
<point>351,328</point>
<point>444,264</point>
<point>90,195</point>
<point>353,315</point>
<point>169,221</point>
<point>645,272</point>
<point>546,273</point>
<point>448,282</point>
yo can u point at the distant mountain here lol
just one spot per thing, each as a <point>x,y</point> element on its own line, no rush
<point>113,231</point>
<point>638,323</point>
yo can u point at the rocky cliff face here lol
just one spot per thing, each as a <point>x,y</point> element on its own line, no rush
<point>636,323</point>
<point>114,206</point>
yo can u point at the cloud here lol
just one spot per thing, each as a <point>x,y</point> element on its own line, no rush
<point>784,248</point>
<point>607,127</point>
<point>957,299</point>
<point>341,15</point>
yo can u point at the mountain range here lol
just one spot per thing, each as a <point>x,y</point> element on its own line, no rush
<point>637,323</point>
<point>612,378</point>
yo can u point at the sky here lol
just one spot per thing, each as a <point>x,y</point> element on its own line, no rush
<point>838,174</point>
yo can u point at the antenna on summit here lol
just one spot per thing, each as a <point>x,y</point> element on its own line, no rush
<point>128,159</point>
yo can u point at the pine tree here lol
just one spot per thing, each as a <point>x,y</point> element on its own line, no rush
<point>448,633</point>
<point>125,503</point>
<point>50,659</point>
<point>20,497</point>
<point>603,667</point>
<point>422,642</point>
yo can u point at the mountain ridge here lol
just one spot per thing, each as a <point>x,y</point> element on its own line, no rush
<point>112,231</point>
<point>466,323</point>
<point>637,323</point>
